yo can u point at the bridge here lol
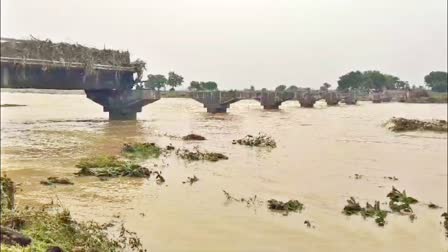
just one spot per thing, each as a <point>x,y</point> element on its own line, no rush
<point>112,86</point>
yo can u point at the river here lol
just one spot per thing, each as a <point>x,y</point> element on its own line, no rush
<point>318,152</point>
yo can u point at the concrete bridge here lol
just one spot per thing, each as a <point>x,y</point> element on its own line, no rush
<point>111,87</point>
<point>219,101</point>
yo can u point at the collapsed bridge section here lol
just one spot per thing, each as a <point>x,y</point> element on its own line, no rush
<point>107,76</point>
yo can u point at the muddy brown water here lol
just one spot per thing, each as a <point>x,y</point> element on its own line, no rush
<point>318,152</point>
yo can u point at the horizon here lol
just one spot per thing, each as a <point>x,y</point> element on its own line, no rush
<point>239,44</point>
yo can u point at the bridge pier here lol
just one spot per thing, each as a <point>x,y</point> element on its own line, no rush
<point>216,108</point>
<point>122,104</point>
<point>332,98</point>
<point>350,99</point>
<point>306,100</point>
<point>270,100</point>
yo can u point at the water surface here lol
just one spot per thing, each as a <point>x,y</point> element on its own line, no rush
<point>319,150</point>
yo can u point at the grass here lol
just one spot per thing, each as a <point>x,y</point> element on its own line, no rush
<point>11,105</point>
<point>52,226</point>
<point>58,229</point>
<point>141,150</point>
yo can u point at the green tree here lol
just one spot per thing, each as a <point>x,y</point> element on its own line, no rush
<point>195,86</point>
<point>209,85</point>
<point>280,88</point>
<point>292,88</point>
<point>174,80</point>
<point>252,88</point>
<point>352,80</point>
<point>437,81</point>
<point>374,80</point>
<point>156,81</point>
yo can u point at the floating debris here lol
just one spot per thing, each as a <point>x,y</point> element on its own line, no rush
<point>56,180</point>
<point>391,178</point>
<point>354,208</point>
<point>400,202</point>
<point>358,176</point>
<point>433,206</point>
<point>193,137</point>
<point>191,180</point>
<point>11,105</point>
<point>141,150</point>
<point>252,201</point>
<point>124,170</point>
<point>401,124</point>
<point>285,207</point>
<point>308,224</point>
<point>445,223</point>
<point>261,140</point>
<point>159,178</point>
<point>196,155</point>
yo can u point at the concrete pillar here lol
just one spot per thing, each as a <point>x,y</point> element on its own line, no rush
<point>350,99</point>
<point>376,98</point>
<point>270,100</point>
<point>332,98</point>
<point>123,104</point>
<point>307,100</point>
<point>117,115</point>
<point>216,108</point>
<point>5,77</point>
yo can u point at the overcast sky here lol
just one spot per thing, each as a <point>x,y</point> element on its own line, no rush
<point>239,43</point>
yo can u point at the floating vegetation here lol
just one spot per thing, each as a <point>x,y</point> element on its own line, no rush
<point>285,207</point>
<point>191,180</point>
<point>401,124</point>
<point>354,208</point>
<point>56,180</point>
<point>196,155</point>
<point>124,170</point>
<point>261,140</point>
<point>308,224</point>
<point>11,105</point>
<point>100,162</point>
<point>251,201</point>
<point>358,176</point>
<point>170,147</point>
<point>141,150</point>
<point>159,178</point>
<point>193,137</point>
<point>433,206</point>
<point>445,223</point>
<point>400,202</point>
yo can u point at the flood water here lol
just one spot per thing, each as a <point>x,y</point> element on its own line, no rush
<point>318,152</point>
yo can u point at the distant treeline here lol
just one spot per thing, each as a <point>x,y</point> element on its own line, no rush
<point>354,80</point>
<point>375,80</point>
